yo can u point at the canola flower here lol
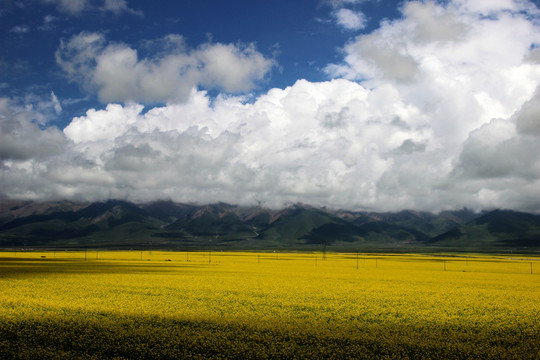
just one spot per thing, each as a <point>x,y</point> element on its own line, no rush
<point>224,305</point>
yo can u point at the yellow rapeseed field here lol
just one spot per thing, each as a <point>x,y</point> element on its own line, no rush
<point>223,305</point>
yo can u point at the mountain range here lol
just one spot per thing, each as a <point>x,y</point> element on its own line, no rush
<point>169,225</point>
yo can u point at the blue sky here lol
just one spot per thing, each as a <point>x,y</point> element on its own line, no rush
<point>301,36</point>
<point>356,104</point>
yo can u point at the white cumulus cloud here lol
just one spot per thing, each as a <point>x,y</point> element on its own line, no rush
<point>22,139</point>
<point>117,74</point>
<point>349,19</point>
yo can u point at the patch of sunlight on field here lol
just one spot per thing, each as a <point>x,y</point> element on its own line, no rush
<point>164,305</point>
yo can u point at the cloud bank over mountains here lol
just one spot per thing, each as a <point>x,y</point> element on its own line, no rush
<point>439,109</point>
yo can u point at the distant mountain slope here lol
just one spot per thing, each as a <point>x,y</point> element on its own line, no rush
<point>101,222</point>
<point>213,220</point>
<point>166,224</point>
<point>294,224</point>
<point>371,233</point>
<point>14,209</point>
<point>427,223</point>
<point>499,229</point>
<point>169,211</point>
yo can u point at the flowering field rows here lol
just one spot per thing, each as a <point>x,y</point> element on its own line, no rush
<point>168,305</point>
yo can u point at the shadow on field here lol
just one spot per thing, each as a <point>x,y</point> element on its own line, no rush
<point>15,267</point>
<point>107,336</point>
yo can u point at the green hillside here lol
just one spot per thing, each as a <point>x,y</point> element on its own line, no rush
<point>294,226</point>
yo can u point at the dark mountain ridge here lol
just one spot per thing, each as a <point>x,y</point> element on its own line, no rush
<point>502,229</point>
<point>121,224</point>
